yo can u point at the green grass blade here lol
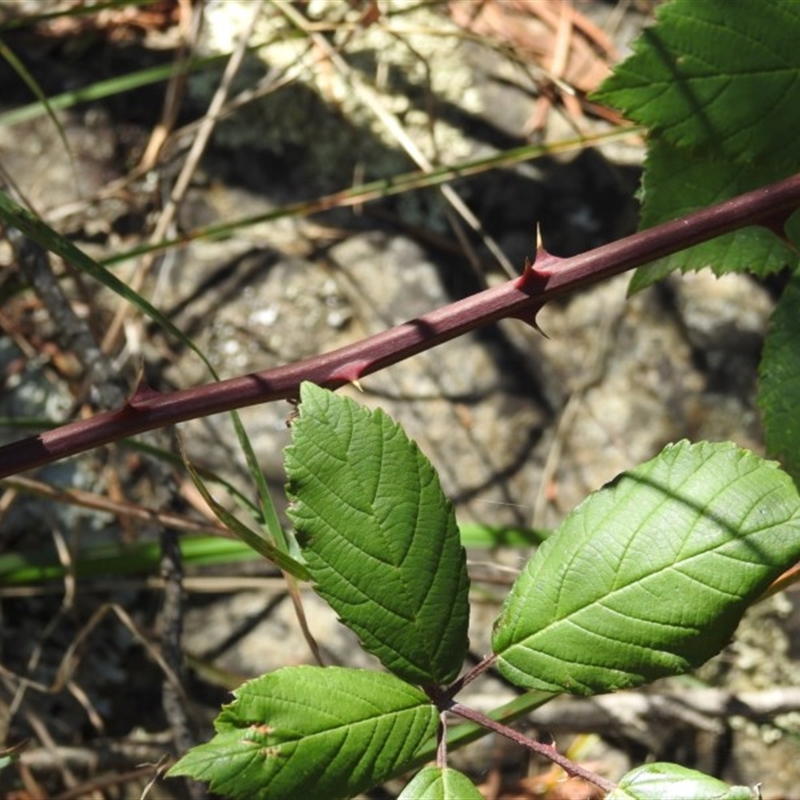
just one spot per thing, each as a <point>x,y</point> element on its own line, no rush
<point>107,88</point>
<point>254,539</point>
<point>23,569</point>
<point>480,536</point>
<point>205,473</point>
<point>374,190</point>
<point>31,83</point>
<point>267,507</point>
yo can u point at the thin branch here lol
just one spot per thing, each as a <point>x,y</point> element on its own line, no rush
<point>73,333</point>
<point>469,676</point>
<point>521,298</point>
<point>547,750</point>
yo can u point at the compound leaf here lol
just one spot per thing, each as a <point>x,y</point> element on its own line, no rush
<point>379,536</point>
<point>650,576</point>
<point>714,82</point>
<point>659,780</point>
<point>715,75</point>
<point>437,783</point>
<point>779,381</point>
<point>312,732</point>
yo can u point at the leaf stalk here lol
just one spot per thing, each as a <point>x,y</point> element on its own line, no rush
<point>547,750</point>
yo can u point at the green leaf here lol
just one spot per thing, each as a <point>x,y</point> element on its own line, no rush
<point>436,783</point>
<point>716,75</point>
<point>792,229</point>
<point>779,381</point>
<point>649,576</point>
<point>657,781</point>
<point>716,82</point>
<point>678,182</point>
<point>379,536</point>
<point>312,732</point>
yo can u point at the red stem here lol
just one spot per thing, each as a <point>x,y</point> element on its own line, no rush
<point>547,750</point>
<point>522,298</point>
